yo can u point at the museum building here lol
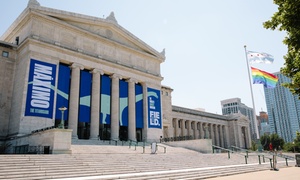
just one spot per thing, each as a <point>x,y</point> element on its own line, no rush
<point>89,75</point>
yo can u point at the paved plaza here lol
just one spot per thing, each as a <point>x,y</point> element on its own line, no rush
<point>291,173</point>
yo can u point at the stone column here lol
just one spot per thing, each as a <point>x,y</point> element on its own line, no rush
<point>212,134</point>
<point>174,124</point>
<point>221,136</point>
<point>227,137</point>
<point>145,109</point>
<point>74,98</point>
<point>186,128</point>
<point>115,106</point>
<point>95,104</point>
<point>190,128</point>
<point>131,109</point>
<point>195,130</point>
<point>182,128</point>
<point>204,134</point>
<point>217,135</point>
<point>248,136</point>
<point>200,131</point>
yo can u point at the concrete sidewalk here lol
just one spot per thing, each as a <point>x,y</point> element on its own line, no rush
<point>289,173</point>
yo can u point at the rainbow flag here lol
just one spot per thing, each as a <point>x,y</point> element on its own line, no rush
<point>265,78</point>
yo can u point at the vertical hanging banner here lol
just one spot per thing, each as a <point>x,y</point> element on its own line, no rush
<point>139,108</point>
<point>154,108</point>
<point>63,90</point>
<point>123,103</point>
<point>85,96</point>
<point>105,100</point>
<point>40,90</point>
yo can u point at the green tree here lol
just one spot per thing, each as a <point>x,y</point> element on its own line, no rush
<point>276,141</point>
<point>253,146</point>
<point>287,19</point>
<point>297,142</point>
<point>288,147</point>
<point>265,141</point>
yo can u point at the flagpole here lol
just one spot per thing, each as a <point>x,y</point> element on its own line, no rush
<point>253,104</point>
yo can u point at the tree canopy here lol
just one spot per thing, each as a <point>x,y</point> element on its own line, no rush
<point>274,139</point>
<point>287,19</point>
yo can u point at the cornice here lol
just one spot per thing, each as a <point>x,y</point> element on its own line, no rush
<point>90,57</point>
<point>65,15</point>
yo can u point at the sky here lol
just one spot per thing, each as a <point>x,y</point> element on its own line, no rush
<point>203,40</point>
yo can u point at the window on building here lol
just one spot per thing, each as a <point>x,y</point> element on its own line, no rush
<point>185,124</point>
<point>179,124</point>
<point>5,54</point>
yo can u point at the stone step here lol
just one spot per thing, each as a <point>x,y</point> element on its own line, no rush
<point>190,174</point>
<point>121,161</point>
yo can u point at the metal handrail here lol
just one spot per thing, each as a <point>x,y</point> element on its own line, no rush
<point>218,147</point>
<point>116,141</point>
<point>247,154</point>
<point>165,148</point>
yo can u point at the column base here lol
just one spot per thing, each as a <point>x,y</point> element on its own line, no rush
<point>95,139</point>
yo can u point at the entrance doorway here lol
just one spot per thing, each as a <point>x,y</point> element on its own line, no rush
<point>244,137</point>
<point>123,133</point>
<point>83,130</point>
<point>104,131</point>
<point>139,134</point>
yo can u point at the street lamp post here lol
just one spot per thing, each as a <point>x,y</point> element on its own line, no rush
<point>294,146</point>
<point>62,123</point>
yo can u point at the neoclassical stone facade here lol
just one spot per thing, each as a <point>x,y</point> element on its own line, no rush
<point>224,131</point>
<point>99,71</point>
<point>107,79</point>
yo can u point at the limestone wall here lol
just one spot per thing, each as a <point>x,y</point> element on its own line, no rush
<point>200,145</point>
<point>7,67</point>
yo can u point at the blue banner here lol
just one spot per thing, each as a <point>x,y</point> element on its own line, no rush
<point>105,100</point>
<point>63,90</point>
<point>85,96</point>
<point>154,108</point>
<point>40,90</point>
<point>139,106</point>
<point>123,103</point>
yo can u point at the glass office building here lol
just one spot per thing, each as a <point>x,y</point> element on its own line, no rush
<point>283,109</point>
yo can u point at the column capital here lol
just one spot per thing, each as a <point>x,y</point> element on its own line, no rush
<point>97,71</point>
<point>76,65</point>
<point>144,83</point>
<point>135,81</point>
<point>116,76</point>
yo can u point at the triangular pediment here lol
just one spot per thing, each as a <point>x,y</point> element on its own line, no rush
<point>239,117</point>
<point>244,119</point>
<point>106,28</point>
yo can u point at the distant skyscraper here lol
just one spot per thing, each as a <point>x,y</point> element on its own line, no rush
<point>263,123</point>
<point>283,109</point>
<point>234,106</point>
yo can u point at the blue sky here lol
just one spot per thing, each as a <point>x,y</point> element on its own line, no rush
<point>204,42</point>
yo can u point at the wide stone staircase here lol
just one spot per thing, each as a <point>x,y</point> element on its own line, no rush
<point>111,161</point>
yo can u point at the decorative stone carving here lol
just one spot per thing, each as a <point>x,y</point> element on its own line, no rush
<point>108,33</point>
<point>163,53</point>
<point>112,18</point>
<point>33,3</point>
